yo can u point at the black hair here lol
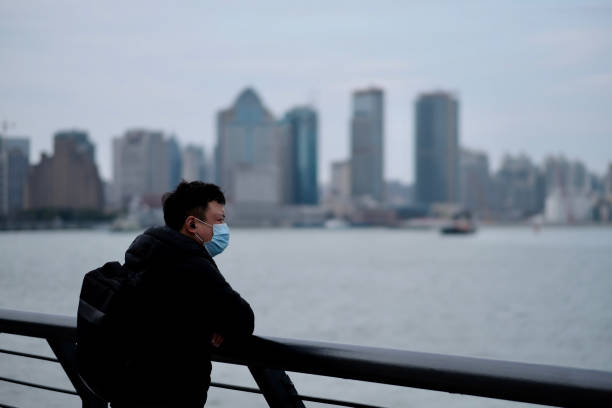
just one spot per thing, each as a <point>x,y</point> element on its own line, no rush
<point>189,199</point>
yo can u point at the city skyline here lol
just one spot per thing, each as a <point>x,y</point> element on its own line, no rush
<point>533,78</point>
<point>210,156</point>
<point>324,168</point>
<point>267,166</point>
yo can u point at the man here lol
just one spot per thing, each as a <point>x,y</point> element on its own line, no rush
<point>185,306</point>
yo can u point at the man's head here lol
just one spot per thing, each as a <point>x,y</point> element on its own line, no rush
<point>193,208</point>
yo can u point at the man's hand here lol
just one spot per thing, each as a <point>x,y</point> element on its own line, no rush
<point>216,340</point>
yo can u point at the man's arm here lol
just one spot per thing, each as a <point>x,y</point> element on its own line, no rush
<point>232,315</point>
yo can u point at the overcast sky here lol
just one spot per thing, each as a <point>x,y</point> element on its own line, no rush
<point>531,76</point>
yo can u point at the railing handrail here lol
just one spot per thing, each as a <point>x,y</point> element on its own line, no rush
<point>525,382</point>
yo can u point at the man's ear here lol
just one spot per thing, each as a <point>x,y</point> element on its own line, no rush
<point>189,223</point>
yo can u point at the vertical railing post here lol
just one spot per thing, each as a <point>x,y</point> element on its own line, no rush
<point>276,387</point>
<point>65,352</point>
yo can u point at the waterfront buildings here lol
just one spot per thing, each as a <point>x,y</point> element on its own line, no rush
<point>579,177</point>
<point>268,167</point>
<point>564,208</point>
<point>69,179</point>
<point>437,148</point>
<point>568,189</point>
<point>566,176</point>
<point>557,173</point>
<point>14,163</point>
<point>141,166</point>
<point>341,179</point>
<point>253,163</point>
<point>602,211</point>
<point>519,188</point>
<point>474,181</point>
<point>367,146</point>
<point>339,197</point>
<point>303,159</point>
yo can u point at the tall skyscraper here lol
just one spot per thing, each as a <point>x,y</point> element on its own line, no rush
<point>367,145</point>
<point>252,160</point>
<point>302,146</point>
<point>140,165</point>
<point>14,164</point>
<point>69,178</point>
<point>437,148</point>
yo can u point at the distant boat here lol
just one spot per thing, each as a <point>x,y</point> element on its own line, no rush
<point>462,224</point>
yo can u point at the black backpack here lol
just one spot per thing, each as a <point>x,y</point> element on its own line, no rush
<point>106,307</point>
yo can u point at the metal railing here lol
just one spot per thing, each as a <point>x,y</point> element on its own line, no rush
<point>268,358</point>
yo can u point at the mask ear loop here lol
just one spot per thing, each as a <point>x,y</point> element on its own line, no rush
<point>195,233</point>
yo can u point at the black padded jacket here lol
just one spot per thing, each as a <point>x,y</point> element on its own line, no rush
<point>182,300</point>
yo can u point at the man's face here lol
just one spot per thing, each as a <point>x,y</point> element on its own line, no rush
<point>215,214</point>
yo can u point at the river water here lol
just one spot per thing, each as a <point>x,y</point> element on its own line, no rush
<point>506,293</point>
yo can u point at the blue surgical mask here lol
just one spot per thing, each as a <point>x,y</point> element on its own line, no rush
<point>220,239</point>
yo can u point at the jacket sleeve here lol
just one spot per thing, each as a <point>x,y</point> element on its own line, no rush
<point>231,315</point>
